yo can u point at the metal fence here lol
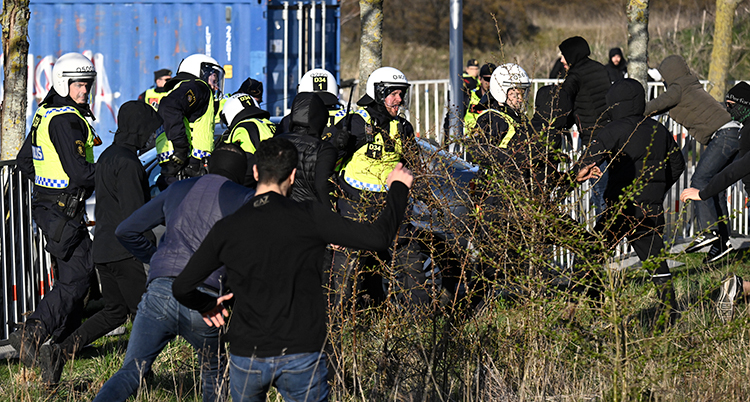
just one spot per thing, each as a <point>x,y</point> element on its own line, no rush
<point>26,268</point>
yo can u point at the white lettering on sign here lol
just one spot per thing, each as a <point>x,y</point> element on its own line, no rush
<point>208,41</point>
<point>229,43</point>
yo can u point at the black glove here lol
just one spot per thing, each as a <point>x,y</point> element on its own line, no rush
<point>193,168</point>
<point>179,157</point>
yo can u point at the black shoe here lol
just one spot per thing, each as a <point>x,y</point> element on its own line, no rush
<point>702,241</point>
<point>731,289</point>
<point>26,341</point>
<point>52,360</point>
<point>718,251</point>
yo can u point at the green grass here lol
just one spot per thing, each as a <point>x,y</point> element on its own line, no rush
<point>508,349</point>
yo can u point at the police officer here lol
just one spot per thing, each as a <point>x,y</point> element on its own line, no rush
<point>248,126</point>
<point>58,155</point>
<point>478,97</point>
<point>503,119</point>
<point>470,76</point>
<point>381,139</point>
<point>153,95</point>
<point>188,112</point>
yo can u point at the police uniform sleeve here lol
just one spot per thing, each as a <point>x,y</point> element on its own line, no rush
<point>69,136</point>
<point>25,159</point>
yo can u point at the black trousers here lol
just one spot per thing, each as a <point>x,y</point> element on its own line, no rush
<point>642,226</point>
<point>61,309</point>
<point>123,283</point>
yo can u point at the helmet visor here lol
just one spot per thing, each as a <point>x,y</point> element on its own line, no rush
<point>213,75</point>
<point>384,89</point>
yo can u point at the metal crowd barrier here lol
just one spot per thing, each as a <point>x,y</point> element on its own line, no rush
<point>26,268</point>
<point>428,107</point>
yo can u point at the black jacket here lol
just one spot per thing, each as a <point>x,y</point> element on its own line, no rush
<point>640,150</point>
<point>486,148</point>
<point>738,170</point>
<point>616,72</point>
<point>64,131</point>
<point>317,158</point>
<point>121,181</point>
<point>587,84</point>
<point>275,273</point>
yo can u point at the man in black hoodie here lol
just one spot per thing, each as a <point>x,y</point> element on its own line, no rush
<point>317,158</point>
<point>58,155</point>
<point>645,162</point>
<point>617,67</point>
<point>121,188</point>
<point>587,84</point>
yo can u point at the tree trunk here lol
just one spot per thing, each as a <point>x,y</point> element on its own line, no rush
<point>719,67</point>
<point>637,11</point>
<point>15,23</point>
<point>371,42</point>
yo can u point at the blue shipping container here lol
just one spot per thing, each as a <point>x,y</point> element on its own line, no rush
<point>274,42</point>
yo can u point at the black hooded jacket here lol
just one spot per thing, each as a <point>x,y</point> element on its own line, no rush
<point>587,84</point>
<point>65,131</point>
<point>616,72</point>
<point>317,158</point>
<point>121,181</point>
<point>639,149</point>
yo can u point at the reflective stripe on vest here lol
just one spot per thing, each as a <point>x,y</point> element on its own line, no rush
<point>200,134</point>
<point>370,165</point>
<point>240,135</point>
<point>48,169</point>
<point>511,127</point>
<point>153,98</point>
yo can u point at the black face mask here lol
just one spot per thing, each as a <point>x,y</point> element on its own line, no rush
<point>739,112</point>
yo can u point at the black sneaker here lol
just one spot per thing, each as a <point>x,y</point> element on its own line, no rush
<point>26,341</point>
<point>718,251</point>
<point>731,288</point>
<point>702,241</point>
<point>52,360</point>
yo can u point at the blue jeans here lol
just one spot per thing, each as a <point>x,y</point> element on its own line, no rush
<point>297,377</point>
<point>160,319</point>
<point>719,153</point>
<point>598,186</point>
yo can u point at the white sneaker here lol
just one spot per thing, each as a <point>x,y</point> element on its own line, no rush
<point>730,289</point>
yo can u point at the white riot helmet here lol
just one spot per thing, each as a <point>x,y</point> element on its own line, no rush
<point>323,83</point>
<point>505,77</point>
<point>234,105</point>
<point>205,68</point>
<point>69,68</point>
<point>385,80</point>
